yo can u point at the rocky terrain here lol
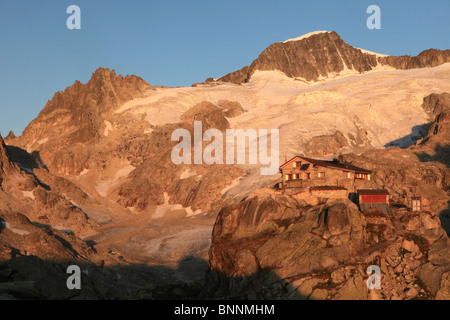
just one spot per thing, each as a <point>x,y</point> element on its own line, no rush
<point>91,182</point>
<point>283,246</point>
<point>288,245</point>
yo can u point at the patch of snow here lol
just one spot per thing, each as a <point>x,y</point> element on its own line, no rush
<point>176,243</point>
<point>191,213</point>
<point>103,186</point>
<point>30,171</point>
<point>15,230</point>
<point>82,173</point>
<point>108,128</point>
<point>263,77</point>
<point>187,173</point>
<point>29,194</point>
<point>162,209</point>
<point>42,141</point>
<point>63,229</point>
<point>233,184</point>
<point>373,53</point>
<point>124,172</point>
<point>306,35</point>
<point>29,146</point>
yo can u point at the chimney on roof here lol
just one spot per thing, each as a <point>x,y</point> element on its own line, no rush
<point>341,159</point>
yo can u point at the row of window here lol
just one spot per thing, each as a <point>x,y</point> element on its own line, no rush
<point>297,164</point>
<point>307,176</point>
<point>345,174</point>
<point>362,176</point>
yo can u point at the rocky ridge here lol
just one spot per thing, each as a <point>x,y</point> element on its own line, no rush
<point>77,118</point>
<point>323,54</point>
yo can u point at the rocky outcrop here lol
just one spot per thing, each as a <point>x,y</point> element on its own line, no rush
<point>426,59</point>
<point>323,54</point>
<point>27,203</point>
<point>10,136</point>
<point>5,161</point>
<point>278,235</point>
<point>435,104</point>
<point>210,115</point>
<point>77,120</point>
<point>13,178</point>
<point>156,173</point>
<point>273,246</point>
<point>328,144</point>
<point>230,109</point>
<point>20,237</point>
<point>77,110</point>
<point>435,145</point>
<point>237,77</point>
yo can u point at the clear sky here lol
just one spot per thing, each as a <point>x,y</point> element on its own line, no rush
<point>180,42</point>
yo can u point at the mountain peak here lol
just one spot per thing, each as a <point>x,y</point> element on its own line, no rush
<point>104,73</point>
<point>77,114</point>
<point>322,54</point>
<point>307,35</point>
<point>10,136</point>
<point>313,56</point>
<point>5,160</point>
<point>104,91</point>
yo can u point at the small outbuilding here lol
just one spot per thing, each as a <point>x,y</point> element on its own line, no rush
<point>420,204</point>
<point>373,199</point>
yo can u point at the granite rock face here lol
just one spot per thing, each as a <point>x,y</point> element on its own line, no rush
<point>5,161</point>
<point>273,246</point>
<point>77,118</point>
<point>426,59</point>
<point>435,104</point>
<point>438,135</point>
<point>323,145</point>
<point>77,110</point>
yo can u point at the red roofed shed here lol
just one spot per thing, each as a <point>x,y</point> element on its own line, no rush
<point>373,196</point>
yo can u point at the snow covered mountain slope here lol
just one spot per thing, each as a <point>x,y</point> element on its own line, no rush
<point>386,104</point>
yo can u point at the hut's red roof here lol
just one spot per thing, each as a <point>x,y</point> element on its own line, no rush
<point>331,164</point>
<point>373,191</point>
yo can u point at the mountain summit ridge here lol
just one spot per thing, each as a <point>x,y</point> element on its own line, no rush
<point>320,54</point>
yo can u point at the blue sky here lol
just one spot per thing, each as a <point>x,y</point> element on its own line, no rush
<point>178,43</point>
